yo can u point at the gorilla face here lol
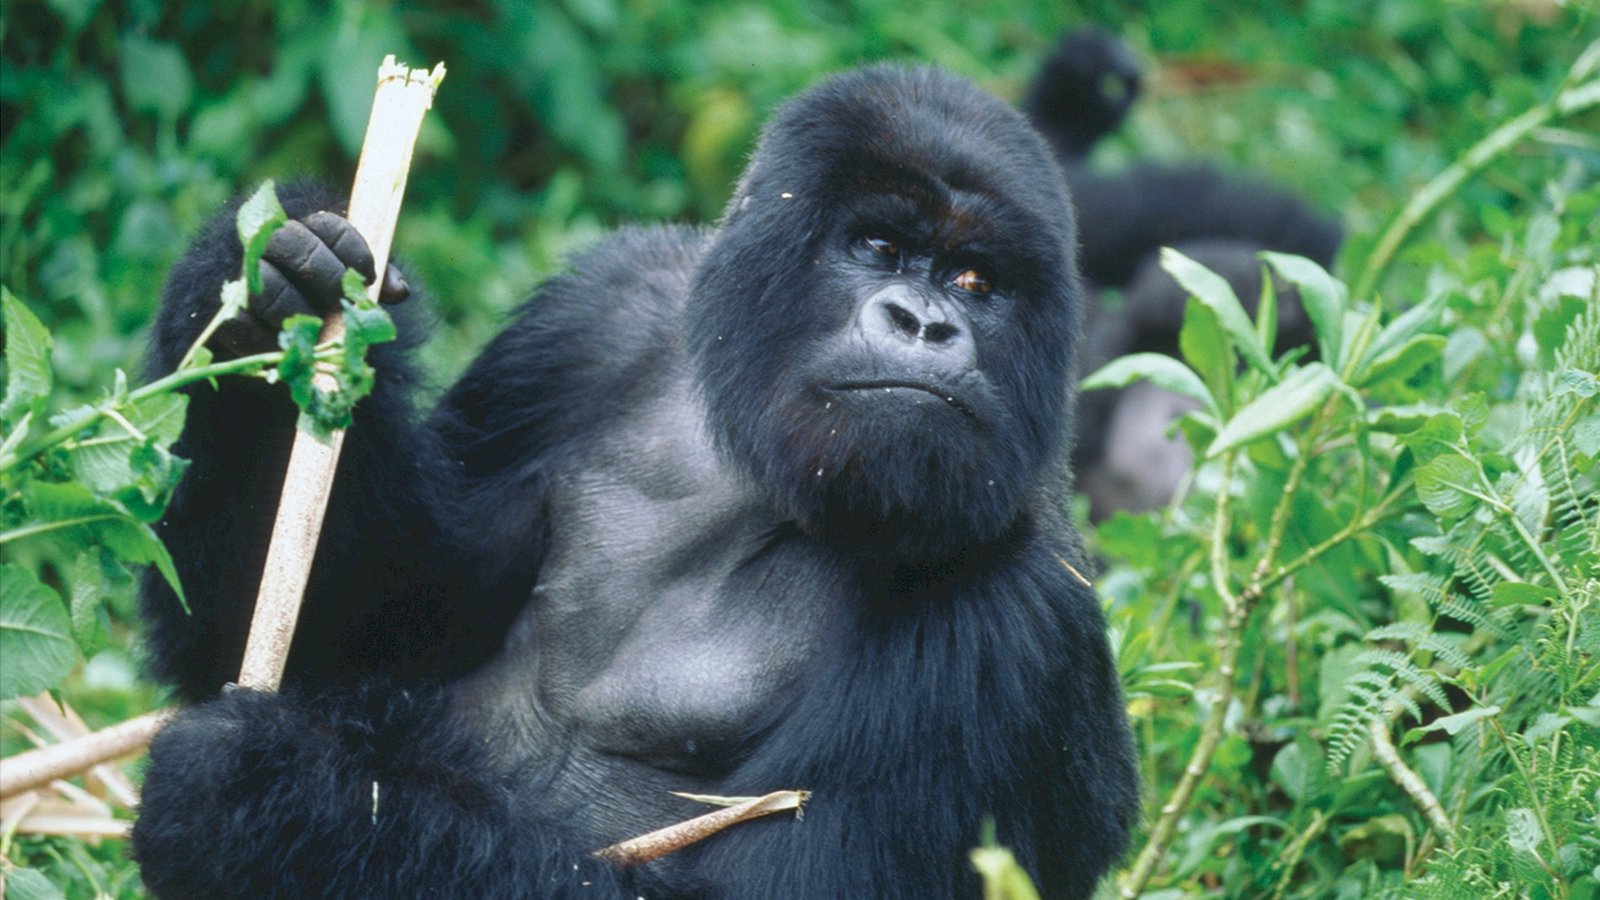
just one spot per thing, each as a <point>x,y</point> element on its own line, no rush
<point>884,325</point>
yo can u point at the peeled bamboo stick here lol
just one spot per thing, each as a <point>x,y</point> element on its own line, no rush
<point>403,96</point>
<point>38,767</point>
<point>660,842</point>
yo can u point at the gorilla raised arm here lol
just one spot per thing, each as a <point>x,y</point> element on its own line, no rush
<point>722,512</point>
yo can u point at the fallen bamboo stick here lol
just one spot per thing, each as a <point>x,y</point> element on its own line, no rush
<point>38,767</point>
<point>662,841</point>
<point>402,97</point>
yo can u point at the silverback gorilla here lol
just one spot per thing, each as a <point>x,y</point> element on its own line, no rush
<point>773,505</point>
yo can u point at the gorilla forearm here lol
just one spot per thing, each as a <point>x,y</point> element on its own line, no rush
<point>236,438</point>
<point>360,794</point>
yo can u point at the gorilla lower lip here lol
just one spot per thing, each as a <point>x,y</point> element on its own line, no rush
<point>856,387</point>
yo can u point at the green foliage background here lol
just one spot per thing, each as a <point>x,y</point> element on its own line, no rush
<point>123,125</point>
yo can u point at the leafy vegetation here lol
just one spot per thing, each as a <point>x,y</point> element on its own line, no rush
<point>1361,648</point>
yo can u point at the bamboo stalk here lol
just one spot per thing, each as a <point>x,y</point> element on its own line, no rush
<point>662,841</point>
<point>37,768</point>
<point>403,96</point>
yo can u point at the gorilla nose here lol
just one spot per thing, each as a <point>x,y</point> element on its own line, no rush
<point>912,328</point>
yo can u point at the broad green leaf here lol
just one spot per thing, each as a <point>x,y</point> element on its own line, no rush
<point>1462,349</point>
<point>1214,291</point>
<point>1521,593</point>
<point>1323,297</point>
<point>1522,829</point>
<point>1203,344</point>
<point>155,77</point>
<point>1157,368</point>
<point>1278,407</point>
<point>1405,361</point>
<point>1447,484</point>
<point>258,218</point>
<point>71,511</point>
<point>35,635</point>
<point>31,884</point>
<point>1454,723</point>
<point>27,360</point>
<point>1399,333</point>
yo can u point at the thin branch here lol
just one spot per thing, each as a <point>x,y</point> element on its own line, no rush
<point>1408,780</point>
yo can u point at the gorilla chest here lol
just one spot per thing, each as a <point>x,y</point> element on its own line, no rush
<point>674,615</point>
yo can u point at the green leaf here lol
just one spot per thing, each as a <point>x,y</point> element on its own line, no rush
<point>1157,368</point>
<point>1214,291</point>
<point>1404,362</point>
<point>69,511</point>
<point>35,635</point>
<point>1453,724</point>
<point>1399,333</point>
<point>1323,297</point>
<point>30,884</point>
<point>258,218</point>
<point>1522,830</point>
<point>1447,483</point>
<point>1521,593</point>
<point>1278,407</point>
<point>1204,345</point>
<point>27,360</point>
<point>155,77</point>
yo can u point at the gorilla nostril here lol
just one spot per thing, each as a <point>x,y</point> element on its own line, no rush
<point>939,332</point>
<point>902,318</point>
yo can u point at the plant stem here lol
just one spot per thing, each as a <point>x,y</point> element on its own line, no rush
<point>1574,97</point>
<point>1408,780</point>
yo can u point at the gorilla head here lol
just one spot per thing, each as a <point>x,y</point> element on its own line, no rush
<point>900,250</point>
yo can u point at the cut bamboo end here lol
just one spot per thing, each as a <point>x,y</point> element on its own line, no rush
<point>403,95</point>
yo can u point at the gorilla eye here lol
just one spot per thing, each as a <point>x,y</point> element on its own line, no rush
<point>972,281</point>
<point>882,245</point>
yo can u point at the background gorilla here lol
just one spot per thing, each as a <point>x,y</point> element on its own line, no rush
<point>770,506</point>
<point>1082,92</point>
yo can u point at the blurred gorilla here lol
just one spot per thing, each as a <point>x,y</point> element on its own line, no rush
<point>774,505</point>
<point>1081,93</point>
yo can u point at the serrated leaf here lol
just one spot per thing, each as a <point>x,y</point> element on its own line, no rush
<point>1447,483</point>
<point>1522,829</point>
<point>35,635</point>
<point>1323,298</point>
<point>27,356</point>
<point>1159,369</point>
<point>1214,291</point>
<point>257,219</point>
<point>70,510</point>
<point>1278,407</point>
<point>30,884</point>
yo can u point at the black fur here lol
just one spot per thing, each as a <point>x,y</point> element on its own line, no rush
<point>1081,93</point>
<point>700,519</point>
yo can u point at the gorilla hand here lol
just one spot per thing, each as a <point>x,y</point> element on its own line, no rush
<point>302,272</point>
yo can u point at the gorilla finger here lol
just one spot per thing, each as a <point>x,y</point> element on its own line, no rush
<point>308,263</point>
<point>394,288</point>
<point>242,336</point>
<point>343,239</point>
<point>279,299</point>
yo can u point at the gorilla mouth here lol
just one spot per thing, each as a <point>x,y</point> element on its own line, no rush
<point>889,387</point>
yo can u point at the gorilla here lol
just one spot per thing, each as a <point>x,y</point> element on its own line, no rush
<point>1081,93</point>
<point>774,505</point>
